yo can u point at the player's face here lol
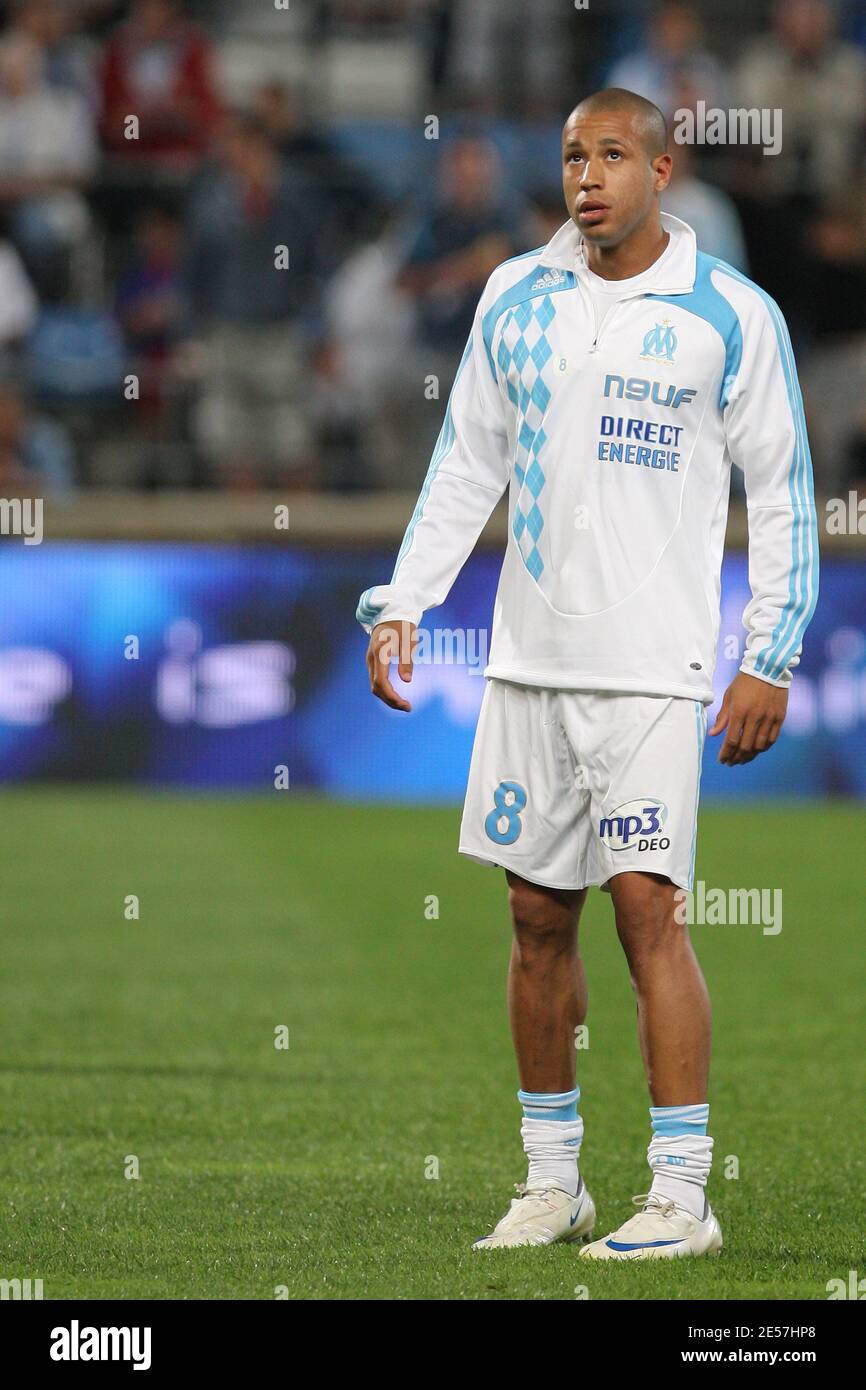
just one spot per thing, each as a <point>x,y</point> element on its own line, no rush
<point>608,179</point>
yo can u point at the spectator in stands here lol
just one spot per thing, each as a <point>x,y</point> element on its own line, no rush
<point>52,25</point>
<point>148,301</point>
<point>157,67</point>
<point>507,55</point>
<point>834,372</point>
<point>359,405</point>
<point>149,308</point>
<point>47,157</point>
<point>819,83</point>
<point>255,313</point>
<point>709,211</point>
<point>19,305</point>
<point>673,61</point>
<point>472,224</point>
<point>346,205</point>
<point>279,110</point>
<point>36,454</point>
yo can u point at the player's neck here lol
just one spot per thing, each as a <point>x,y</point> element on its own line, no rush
<point>631,257</point>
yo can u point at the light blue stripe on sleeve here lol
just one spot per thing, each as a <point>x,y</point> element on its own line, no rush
<point>794,617</point>
<point>367,612</point>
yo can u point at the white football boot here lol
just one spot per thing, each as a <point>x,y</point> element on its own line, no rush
<point>542,1216</point>
<point>660,1231</point>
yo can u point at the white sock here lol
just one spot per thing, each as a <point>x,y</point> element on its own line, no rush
<point>680,1155</point>
<point>552,1132</point>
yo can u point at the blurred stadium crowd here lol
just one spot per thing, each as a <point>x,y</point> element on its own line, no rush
<point>147,246</point>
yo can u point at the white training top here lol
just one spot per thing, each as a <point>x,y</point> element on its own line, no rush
<point>616,439</point>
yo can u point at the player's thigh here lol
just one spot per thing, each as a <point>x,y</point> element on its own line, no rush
<point>521,800</point>
<point>643,768</point>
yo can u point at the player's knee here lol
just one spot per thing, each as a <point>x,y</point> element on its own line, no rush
<point>541,922</point>
<point>649,937</point>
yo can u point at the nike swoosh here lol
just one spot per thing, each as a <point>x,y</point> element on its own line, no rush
<point>640,1245</point>
<point>572,1219</point>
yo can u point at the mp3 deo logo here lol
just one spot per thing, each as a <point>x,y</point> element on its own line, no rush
<point>636,824</point>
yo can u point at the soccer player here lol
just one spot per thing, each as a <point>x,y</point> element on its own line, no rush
<point>610,381</point>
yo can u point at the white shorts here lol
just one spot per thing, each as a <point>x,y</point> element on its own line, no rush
<point>568,788</point>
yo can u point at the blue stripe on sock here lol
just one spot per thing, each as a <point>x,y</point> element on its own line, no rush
<point>671,1120</point>
<point>549,1105</point>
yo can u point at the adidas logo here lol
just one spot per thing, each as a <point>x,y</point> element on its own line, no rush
<point>549,279</point>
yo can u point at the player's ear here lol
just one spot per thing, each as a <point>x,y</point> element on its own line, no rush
<point>662,167</point>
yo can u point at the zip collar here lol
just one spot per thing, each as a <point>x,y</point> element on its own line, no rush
<point>565,249</point>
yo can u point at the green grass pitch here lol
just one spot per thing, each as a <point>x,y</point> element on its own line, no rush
<point>309,1168</point>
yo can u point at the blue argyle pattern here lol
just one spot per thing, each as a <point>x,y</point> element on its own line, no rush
<point>524,353</point>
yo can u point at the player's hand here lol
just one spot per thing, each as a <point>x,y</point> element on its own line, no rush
<point>752,712</point>
<point>390,642</point>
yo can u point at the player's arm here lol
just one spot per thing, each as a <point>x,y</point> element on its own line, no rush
<point>468,474</point>
<point>766,433</point>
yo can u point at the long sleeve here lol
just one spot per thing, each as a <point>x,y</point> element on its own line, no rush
<point>766,433</point>
<point>468,474</point>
